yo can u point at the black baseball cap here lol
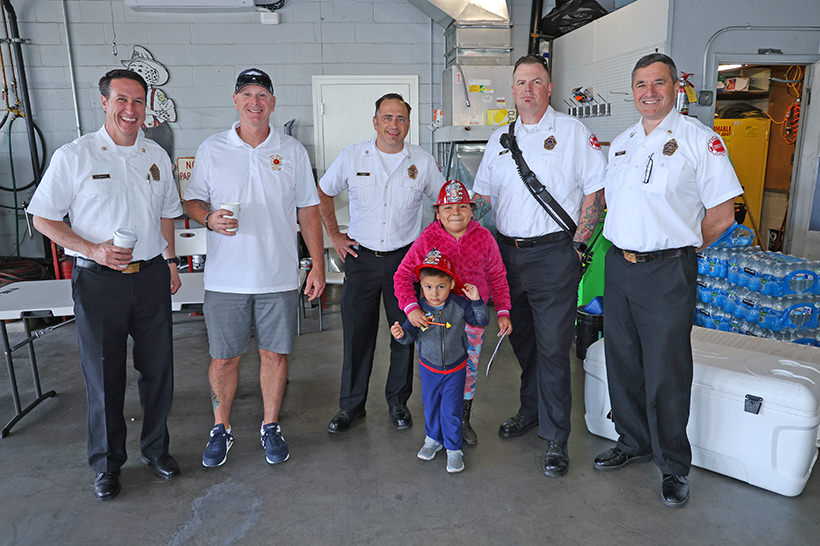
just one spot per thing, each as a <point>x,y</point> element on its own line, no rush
<point>253,76</point>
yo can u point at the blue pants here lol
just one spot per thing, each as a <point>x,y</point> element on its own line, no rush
<point>442,395</point>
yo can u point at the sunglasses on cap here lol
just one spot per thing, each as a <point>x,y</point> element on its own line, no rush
<point>253,76</point>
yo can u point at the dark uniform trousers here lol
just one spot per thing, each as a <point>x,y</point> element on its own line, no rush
<point>367,279</point>
<point>543,283</point>
<point>109,307</point>
<point>648,316</point>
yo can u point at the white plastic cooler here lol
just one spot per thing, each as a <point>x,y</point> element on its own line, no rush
<point>755,411</point>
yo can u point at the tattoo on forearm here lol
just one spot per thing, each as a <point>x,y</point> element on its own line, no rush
<point>205,207</point>
<point>589,218</point>
<point>214,399</point>
<point>481,208</point>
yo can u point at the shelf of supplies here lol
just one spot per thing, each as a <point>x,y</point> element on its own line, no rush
<point>742,95</point>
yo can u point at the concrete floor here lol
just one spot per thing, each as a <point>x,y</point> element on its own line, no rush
<point>365,486</point>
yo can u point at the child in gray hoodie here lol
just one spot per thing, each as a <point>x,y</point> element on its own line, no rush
<point>442,348</point>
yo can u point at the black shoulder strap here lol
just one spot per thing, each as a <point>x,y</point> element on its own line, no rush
<point>537,189</point>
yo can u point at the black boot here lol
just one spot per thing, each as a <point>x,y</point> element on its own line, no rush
<point>468,433</point>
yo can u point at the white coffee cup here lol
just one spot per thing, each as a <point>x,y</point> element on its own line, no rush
<point>125,238</point>
<point>234,208</point>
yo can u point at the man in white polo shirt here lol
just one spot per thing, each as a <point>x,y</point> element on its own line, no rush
<point>386,179</point>
<point>670,191</point>
<point>251,274</point>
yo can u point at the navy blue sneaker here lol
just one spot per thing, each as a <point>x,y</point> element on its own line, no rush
<point>216,451</point>
<point>276,450</point>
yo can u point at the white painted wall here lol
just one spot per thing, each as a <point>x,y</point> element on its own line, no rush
<point>203,53</point>
<point>601,55</point>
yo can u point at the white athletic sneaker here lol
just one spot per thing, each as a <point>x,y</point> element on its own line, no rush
<point>455,460</point>
<point>429,449</point>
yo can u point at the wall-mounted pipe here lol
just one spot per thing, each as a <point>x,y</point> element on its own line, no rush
<point>535,21</point>
<point>14,36</point>
<point>710,41</point>
<point>71,71</point>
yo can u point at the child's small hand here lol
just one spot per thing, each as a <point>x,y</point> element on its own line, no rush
<point>504,325</point>
<point>471,291</point>
<point>397,331</point>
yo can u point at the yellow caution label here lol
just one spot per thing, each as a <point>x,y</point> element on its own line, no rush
<point>504,116</point>
<point>690,93</point>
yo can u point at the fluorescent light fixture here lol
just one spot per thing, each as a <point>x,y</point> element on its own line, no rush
<point>725,67</point>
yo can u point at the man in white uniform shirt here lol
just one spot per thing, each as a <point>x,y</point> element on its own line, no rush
<point>115,178</point>
<point>543,262</point>
<point>386,179</point>
<point>251,274</point>
<point>670,190</point>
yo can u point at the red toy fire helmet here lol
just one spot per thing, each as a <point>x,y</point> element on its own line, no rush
<point>436,260</point>
<point>453,192</point>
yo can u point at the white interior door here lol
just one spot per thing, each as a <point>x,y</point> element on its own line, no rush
<point>343,108</point>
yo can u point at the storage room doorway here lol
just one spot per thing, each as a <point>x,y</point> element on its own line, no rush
<point>758,114</point>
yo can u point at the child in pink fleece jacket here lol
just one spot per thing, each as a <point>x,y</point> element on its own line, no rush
<point>478,261</point>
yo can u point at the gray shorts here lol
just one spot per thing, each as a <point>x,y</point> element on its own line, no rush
<point>229,317</point>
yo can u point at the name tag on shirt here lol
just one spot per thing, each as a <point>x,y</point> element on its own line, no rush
<point>622,152</point>
<point>100,176</point>
<point>362,174</point>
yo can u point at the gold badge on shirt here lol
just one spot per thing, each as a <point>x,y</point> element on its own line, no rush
<point>154,172</point>
<point>276,161</point>
<point>412,171</point>
<point>670,147</point>
<point>550,143</point>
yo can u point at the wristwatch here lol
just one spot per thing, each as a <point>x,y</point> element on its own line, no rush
<point>579,246</point>
<point>173,260</point>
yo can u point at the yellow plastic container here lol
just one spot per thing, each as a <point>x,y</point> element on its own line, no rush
<point>747,142</point>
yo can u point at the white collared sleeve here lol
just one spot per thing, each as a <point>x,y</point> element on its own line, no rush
<point>334,181</point>
<point>54,194</point>
<point>483,182</point>
<point>717,180</point>
<point>171,205</point>
<point>199,184</point>
<point>433,180</point>
<point>590,165</point>
<point>306,194</point>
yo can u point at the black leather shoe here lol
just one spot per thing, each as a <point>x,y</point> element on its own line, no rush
<point>401,417</point>
<point>163,466</point>
<point>556,459</point>
<point>343,419</point>
<point>107,485</point>
<point>615,458</point>
<point>675,490</point>
<point>516,426</point>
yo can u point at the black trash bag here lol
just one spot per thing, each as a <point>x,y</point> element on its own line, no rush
<point>567,15</point>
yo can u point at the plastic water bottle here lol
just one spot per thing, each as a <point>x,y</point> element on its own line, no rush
<point>703,261</point>
<point>801,313</point>
<point>749,307</point>
<point>704,291</point>
<point>733,267</point>
<point>719,292</point>
<point>800,278</point>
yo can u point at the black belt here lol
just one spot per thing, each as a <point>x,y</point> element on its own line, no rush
<point>133,267</point>
<point>380,253</point>
<point>529,242</point>
<point>641,257</point>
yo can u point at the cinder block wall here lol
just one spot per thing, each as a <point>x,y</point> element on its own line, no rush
<point>203,53</point>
